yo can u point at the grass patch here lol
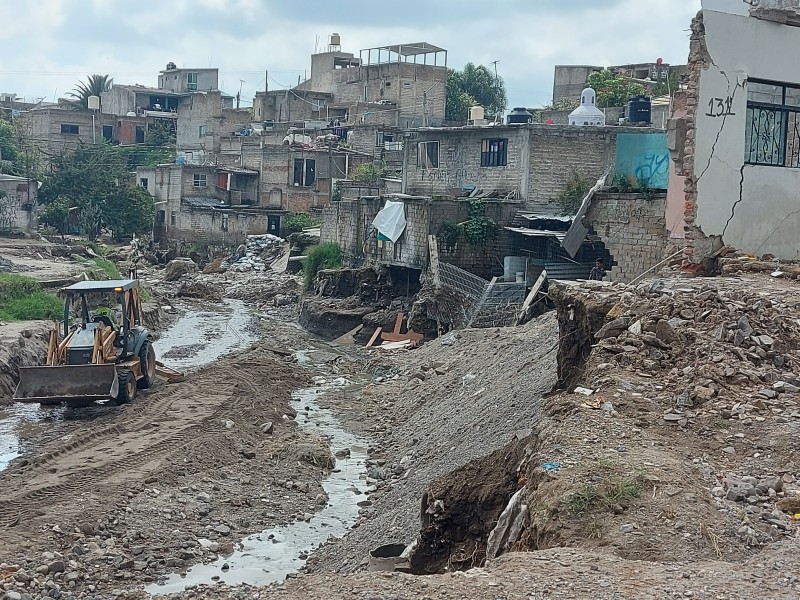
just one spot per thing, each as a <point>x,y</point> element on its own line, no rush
<point>102,265</point>
<point>609,494</point>
<point>621,490</point>
<point>22,299</point>
<point>581,499</point>
<point>324,256</point>
<point>596,529</point>
<point>296,222</point>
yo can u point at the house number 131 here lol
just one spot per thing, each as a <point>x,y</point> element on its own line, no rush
<point>720,107</point>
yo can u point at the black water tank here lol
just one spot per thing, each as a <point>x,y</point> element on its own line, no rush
<point>639,110</point>
<point>519,116</point>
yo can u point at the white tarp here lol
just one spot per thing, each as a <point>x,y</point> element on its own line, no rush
<point>391,220</point>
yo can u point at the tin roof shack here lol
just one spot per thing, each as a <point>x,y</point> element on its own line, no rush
<point>18,198</point>
<point>738,145</point>
<point>206,203</point>
<point>349,224</point>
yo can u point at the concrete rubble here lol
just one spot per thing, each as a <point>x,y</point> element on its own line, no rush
<point>259,253</point>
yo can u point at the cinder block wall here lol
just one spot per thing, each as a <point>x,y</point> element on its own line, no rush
<point>633,229</point>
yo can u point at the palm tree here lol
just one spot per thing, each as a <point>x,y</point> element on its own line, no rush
<point>476,84</point>
<point>93,86</point>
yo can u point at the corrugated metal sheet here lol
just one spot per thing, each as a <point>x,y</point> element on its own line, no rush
<point>559,235</point>
<point>577,232</point>
<point>567,270</point>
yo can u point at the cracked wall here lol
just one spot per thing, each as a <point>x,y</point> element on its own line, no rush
<point>753,208</point>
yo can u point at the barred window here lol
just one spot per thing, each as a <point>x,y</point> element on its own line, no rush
<point>494,153</point>
<point>772,135</point>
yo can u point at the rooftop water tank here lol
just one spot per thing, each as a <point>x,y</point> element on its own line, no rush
<point>93,102</point>
<point>519,116</point>
<point>336,39</point>
<point>639,110</point>
<point>477,113</point>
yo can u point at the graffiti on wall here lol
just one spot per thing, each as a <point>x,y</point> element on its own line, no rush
<point>644,157</point>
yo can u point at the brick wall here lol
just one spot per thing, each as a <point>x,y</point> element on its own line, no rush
<point>460,162</point>
<point>633,229</point>
<point>349,224</point>
<point>216,227</point>
<point>557,153</point>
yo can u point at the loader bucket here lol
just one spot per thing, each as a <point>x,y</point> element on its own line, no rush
<point>74,384</point>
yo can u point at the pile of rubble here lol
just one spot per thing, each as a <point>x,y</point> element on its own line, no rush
<point>715,363</point>
<point>256,254</point>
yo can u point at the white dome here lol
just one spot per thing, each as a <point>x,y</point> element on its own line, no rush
<point>587,114</point>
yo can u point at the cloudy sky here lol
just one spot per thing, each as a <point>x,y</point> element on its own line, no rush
<point>48,45</point>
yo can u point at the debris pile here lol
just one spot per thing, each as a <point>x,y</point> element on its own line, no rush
<point>256,254</point>
<point>712,365</point>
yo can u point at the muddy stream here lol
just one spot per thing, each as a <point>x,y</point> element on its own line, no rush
<point>192,341</point>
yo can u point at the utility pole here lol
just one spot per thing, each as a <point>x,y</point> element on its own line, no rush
<point>496,83</point>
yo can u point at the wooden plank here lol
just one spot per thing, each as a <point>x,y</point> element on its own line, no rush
<point>400,337</point>
<point>349,337</point>
<point>433,248</point>
<point>399,322</point>
<point>374,337</point>
<point>531,296</point>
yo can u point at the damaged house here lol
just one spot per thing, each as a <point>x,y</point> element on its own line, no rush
<point>516,176</point>
<point>736,133</point>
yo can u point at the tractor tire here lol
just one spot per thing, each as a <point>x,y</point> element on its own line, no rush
<point>127,387</point>
<point>147,356</point>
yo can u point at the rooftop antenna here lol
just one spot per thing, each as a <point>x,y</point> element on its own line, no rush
<point>316,45</point>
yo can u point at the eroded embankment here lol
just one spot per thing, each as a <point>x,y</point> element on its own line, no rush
<point>682,444</point>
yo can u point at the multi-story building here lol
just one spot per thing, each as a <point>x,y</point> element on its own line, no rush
<point>402,85</point>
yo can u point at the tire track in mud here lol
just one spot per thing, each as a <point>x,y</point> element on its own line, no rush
<point>89,477</point>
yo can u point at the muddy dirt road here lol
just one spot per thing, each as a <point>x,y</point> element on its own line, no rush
<point>118,497</point>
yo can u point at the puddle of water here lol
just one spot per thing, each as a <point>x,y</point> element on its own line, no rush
<point>10,421</point>
<point>198,338</point>
<point>274,553</point>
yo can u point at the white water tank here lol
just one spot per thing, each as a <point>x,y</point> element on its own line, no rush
<point>93,102</point>
<point>513,265</point>
<point>477,113</point>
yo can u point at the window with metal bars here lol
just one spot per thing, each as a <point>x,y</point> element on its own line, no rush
<point>772,135</point>
<point>494,153</point>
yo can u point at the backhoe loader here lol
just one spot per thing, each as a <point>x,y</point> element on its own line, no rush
<point>99,351</point>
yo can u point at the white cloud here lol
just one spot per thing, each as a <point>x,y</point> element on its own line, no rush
<point>48,45</point>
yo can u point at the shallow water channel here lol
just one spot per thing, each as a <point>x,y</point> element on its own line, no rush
<point>274,553</point>
<point>195,339</point>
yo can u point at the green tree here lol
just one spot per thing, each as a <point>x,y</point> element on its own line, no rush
<point>9,155</point>
<point>612,90</point>
<point>96,181</point>
<point>56,214</point>
<point>474,85</point>
<point>161,134</point>
<point>664,87</point>
<point>93,86</point>
<point>130,210</point>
